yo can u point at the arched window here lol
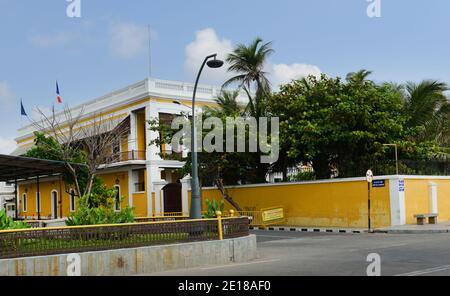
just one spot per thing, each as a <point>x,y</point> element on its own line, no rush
<point>72,200</point>
<point>24,203</point>
<point>117,205</point>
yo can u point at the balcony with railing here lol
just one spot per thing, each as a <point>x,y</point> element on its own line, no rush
<point>128,156</point>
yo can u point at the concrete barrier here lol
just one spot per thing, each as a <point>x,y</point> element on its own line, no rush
<point>137,261</point>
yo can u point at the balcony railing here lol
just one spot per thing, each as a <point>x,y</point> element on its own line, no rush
<point>128,155</point>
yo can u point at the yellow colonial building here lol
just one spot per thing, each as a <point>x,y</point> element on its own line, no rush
<point>138,171</point>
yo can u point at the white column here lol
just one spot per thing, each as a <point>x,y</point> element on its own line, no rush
<point>434,209</point>
<point>159,197</point>
<point>397,196</point>
<point>132,139</point>
<point>185,187</point>
<point>152,154</point>
<point>153,151</point>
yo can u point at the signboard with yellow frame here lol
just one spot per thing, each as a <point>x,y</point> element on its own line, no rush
<point>272,215</point>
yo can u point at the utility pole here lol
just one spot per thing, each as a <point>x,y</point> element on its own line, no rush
<point>396,156</point>
<point>369,177</point>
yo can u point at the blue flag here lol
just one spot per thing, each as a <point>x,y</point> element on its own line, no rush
<point>22,109</point>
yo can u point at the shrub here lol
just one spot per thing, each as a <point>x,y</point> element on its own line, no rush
<point>98,208</point>
<point>213,207</point>
<point>305,176</point>
<point>7,223</point>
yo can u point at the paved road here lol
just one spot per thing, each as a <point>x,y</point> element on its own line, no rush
<point>295,253</point>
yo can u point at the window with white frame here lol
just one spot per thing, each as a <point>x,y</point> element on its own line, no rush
<point>72,200</point>
<point>117,205</point>
<point>24,203</point>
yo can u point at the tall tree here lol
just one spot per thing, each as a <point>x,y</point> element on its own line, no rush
<point>70,138</point>
<point>339,125</point>
<point>428,108</point>
<point>248,62</point>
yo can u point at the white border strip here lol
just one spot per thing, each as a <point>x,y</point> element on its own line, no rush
<point>391,177</point>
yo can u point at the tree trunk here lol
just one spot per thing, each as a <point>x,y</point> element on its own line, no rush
<point>75,177</point>
<point>285,172</point>
<point>89,184</point>
<point>321,168</point>
<point>225,195</point>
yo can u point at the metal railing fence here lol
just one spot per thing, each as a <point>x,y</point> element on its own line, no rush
<point>51,241</point>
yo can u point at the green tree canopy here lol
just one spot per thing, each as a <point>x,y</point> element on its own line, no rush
<point>338,125</point>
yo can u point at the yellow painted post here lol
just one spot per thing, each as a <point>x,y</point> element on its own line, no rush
<point>219,224</point>
<point>231,213</point>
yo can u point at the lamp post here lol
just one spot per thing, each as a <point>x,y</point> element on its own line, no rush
<point>196,206</point>
<point>396,156</point>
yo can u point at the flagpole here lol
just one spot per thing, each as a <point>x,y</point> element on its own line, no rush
<point>149,52</point>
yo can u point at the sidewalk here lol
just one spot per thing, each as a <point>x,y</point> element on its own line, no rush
<point>416,229</point>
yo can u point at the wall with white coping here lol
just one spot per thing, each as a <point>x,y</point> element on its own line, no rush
<point>138,261</point>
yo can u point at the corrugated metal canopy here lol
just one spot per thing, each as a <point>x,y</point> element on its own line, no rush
<point>14,168</point>
<point>21,150</point>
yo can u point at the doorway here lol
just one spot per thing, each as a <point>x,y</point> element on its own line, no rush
<point>172,198</point>
<point>54,205</point>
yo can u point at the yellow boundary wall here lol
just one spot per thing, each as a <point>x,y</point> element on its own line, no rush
<point>330,203</point>
<point>344,202</point>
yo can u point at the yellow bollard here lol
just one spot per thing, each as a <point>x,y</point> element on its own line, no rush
<point>219,224</point>
<point>231,213</point>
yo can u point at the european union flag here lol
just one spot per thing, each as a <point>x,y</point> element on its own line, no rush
<point>22,109</point>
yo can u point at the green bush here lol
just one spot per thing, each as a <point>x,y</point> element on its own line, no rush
<point>213,207</point>
<point>98,208</point>
<point>306,176</point>
<point>7,223</point>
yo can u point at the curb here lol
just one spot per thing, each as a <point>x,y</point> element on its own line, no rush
<point>314,230</point>
<point>413,231</point>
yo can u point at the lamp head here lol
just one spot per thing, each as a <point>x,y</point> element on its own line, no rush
<point>215,63</point>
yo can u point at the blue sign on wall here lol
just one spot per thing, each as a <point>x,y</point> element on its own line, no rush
<point>401,186</point>
<point>378,183</point>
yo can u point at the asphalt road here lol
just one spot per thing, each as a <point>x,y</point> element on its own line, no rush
<point>320,254</point>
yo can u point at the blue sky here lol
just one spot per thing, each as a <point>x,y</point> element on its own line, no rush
<point>106,48</point>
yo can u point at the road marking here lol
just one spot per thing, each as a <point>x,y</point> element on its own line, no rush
<point>277,236</point>
<point>426,271</point>
<point>241,264</point>
<point>388,247</point>
<point>295,237</point>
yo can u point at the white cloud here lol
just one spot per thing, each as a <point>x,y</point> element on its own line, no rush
<point>283,73</point>
<point>7,97</point>
<point>51,40</point>
<point>7,145</point>
<point>128,40</point>
<point>207,42</point>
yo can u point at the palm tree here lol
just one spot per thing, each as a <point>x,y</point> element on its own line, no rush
<point>360,76</point>
<point>227,105</point>
<point>427,106</point>
<point>248,63</point>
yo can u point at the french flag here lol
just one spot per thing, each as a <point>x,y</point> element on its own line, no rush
<point>58,93</point>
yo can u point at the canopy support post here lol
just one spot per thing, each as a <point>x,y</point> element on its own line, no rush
<point>38,198</point>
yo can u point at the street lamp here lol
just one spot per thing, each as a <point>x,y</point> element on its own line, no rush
<point>196,206</point>
<point>396,155</point>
